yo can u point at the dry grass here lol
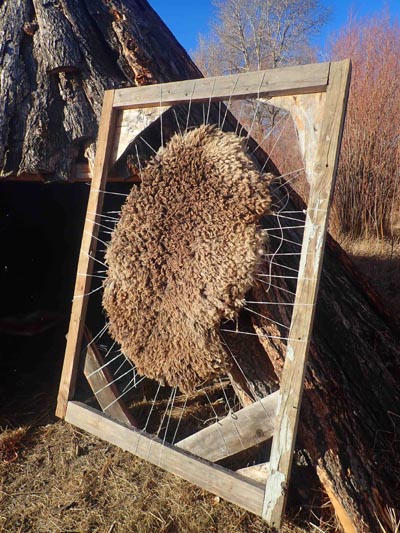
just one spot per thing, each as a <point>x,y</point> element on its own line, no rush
<point>55,478</point>
<point>392,521</point>
<point>69,481</point>
<point>11,444</point>
<point>379,261</point>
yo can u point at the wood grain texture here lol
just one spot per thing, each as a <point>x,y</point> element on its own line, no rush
<point>266,83</point>
<point>87,252</point>
<point>306,111</point>
<point>239,431</point>
<point>130,124</point>
<point>101,382</point>
<point>229,485</point>
<point>57,58</point>
<point>342,515</point>
<point>258,472</point>
<point>81,173</point>
<point>306,294</point>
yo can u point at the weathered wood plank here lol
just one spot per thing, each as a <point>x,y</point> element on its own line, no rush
<point>87,252</point>
<point>307,287</point>
<point>250,426</point>
<point>306,111</point>
<point>257,472</point>
<point>229,485</point>
<point>130,123</point>
<point>101,382</point>
<point>265,83</point>
<point>80,174</point>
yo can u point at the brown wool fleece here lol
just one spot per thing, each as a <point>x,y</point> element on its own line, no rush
<point>183,255</point>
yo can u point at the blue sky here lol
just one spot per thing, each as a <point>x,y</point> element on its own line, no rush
<point>186,19</point>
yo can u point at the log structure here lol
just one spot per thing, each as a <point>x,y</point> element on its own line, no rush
<point>56,60</point>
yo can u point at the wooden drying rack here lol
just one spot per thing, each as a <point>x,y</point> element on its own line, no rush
<point>320,137</point>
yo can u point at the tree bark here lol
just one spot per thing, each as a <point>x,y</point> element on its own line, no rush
<point>56,60</point>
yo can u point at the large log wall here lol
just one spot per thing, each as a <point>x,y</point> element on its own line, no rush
<point>56,59</point>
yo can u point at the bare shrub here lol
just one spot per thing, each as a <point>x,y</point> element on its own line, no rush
<point>255,35</point>
<point>368,177</point>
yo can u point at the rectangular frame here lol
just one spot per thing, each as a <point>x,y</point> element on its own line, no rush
<point>333,78</point>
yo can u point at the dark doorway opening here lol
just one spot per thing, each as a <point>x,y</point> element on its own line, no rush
<point>41,229</point>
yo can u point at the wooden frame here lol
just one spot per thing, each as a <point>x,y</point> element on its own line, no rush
<point>330,78</point>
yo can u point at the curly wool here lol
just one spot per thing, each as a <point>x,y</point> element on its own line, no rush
<point>183,255</point>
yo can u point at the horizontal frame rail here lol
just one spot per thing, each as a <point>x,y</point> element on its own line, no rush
<point>233,487</point>
<point>264,83</point>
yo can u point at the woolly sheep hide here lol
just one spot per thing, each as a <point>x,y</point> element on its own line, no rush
<point>183,255</point>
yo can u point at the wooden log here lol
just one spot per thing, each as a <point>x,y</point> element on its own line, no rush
<point>236,432</point>
<point>57,58</point>
<point>229,485</point>
<point>13,18</point>
<point>345,416</point>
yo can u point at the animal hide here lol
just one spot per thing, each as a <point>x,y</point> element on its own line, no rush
<point>183,255</point>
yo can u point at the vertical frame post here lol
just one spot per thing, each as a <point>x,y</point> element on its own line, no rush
<point>87,253</point>
<point>291,387</point>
